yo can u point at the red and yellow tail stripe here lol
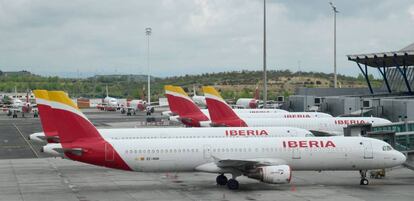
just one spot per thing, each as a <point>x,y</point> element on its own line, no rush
<point>211,92</point>
<point>47,118</point>
<point>60,100</point>
<point>176,91</point>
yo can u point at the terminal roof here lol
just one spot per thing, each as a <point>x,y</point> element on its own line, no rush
<point>403,57</point>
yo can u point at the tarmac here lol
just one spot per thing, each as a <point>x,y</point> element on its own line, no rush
<point>27,174</point>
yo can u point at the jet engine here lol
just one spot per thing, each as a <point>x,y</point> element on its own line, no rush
<point>279,174</point>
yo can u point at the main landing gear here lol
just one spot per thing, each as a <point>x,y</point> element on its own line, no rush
<point>364,180</point>
<point>221,180</point>
<point>232,184</point>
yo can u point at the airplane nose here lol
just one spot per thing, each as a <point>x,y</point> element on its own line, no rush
<point>400,158</point>
<point>403,158</point>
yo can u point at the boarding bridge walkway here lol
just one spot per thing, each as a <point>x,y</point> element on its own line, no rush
<point>401,136</point>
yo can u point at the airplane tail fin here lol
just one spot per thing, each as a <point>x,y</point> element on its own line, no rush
<point>257,93</point>
<point>71,123</point>
<point>27,97</point>
<point>181,104</point>
<point>220,111</point>
<point>79,138</point>
<point>46,116</point>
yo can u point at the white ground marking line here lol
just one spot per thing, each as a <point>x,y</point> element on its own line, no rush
<point>17,181</point>
<point>30,145</point>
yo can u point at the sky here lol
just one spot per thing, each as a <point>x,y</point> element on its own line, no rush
<point>86,37</point>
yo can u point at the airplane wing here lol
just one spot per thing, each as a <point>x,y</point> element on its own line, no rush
<point>248,163</point>
<point>325,133</point>
<point>15,109</point>
<point>241,165</point>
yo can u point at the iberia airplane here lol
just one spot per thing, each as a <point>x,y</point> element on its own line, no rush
<point>221,114</point>
<point>250,102</point>
<point>191,115</point>
<point>50,133</point>
<point>269,160</point>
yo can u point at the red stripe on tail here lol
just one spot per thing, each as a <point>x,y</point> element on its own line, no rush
<point>222,114</point>
<point>76,132</point>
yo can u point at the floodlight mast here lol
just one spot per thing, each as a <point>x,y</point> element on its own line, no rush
<point>335,11</point>
<point>148,32</point>
<point>264,57</point>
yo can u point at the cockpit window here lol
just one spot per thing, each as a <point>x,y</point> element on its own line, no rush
<point>387,148</point>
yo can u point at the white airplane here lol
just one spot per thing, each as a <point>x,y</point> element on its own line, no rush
<point>109,103</point>
<point>269,160</point>
<point>187,112</point>
<point>50,134</point>
<point>133,106</point>
<point>23,107</point>
<point>199,100</point>
<point>249,102</point>
<point>221,114</point>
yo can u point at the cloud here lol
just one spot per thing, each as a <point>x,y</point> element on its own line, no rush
<point>411,12</point>
<point>195,36</point>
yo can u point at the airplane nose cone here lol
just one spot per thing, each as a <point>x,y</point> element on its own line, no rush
<point>400,158</point>
<point>403,158</point>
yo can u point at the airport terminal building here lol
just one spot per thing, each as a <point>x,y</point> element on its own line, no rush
<point>394,100</point>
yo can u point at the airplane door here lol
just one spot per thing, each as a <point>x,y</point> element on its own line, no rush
<point>296,153</point>
<point>207,151</point>
<point>109,152</point>
<point>368,152</point>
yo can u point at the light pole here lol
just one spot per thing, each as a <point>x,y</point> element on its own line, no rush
<point>148,32</point>
<point>264,57</point>
<point>335,11</point>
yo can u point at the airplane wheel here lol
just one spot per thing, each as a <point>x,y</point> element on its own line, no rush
<point>233,184</point>
<point>14,115</point>
<point>221,180</point>
<point>364,182</point>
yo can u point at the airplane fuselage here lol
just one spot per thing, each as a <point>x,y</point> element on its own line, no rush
<point>327,153</point>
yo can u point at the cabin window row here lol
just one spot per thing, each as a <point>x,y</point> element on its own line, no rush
<point>188,137</point>
<point>153,151</point>
<point>227,150</point>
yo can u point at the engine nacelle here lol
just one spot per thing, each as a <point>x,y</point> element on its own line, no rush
<point>279,174</point>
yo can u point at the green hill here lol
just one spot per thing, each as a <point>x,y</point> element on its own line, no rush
<point>232,84</point>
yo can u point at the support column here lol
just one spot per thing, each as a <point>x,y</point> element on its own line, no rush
<point>383,71</point>
<point>365,73</point>
<point>402,71</point>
